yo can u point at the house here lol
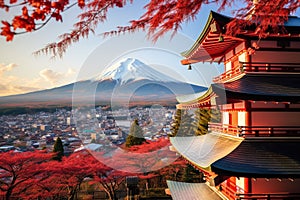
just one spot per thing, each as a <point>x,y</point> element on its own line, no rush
<point>254,152</point>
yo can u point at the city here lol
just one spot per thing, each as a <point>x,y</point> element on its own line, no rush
<point>27,132</point>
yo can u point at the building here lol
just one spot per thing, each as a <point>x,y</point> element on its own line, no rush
<point>254,152</point>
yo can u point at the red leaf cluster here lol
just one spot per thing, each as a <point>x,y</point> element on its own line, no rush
<point>5,30</point>
<point>20,171</point>
<point>35,175</point>
<point>34,15</point>
<point>160,16</point>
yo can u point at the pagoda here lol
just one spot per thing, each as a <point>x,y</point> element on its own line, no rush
<point>254,152</point>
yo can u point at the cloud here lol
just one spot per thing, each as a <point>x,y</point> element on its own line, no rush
<point>56,78</point>
<point>51,76</point>
<point>6,68</point>
<point>10,89</point>
<point>12,84</point>
<point>71,72</point>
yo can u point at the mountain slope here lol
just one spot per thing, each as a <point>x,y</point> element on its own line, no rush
<point>132,69</point>
<point>128,81</point>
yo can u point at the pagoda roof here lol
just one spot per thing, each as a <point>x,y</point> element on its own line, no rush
<point>268,158</point>
<point>182,190</point>
<point>207,47</point>
<point>265,87</point>
<point>204,150</point>
<point>213,41</point>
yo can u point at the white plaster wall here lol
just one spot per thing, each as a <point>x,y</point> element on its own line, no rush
<point>242,57</point>
<point>225,117</point>
<point>240,182</point>
<point>242,118</point>
<point>228,66</point>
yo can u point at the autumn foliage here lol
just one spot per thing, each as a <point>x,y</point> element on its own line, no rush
<point>160,16</point>
<point>19,172</point>
<point>35,175</point>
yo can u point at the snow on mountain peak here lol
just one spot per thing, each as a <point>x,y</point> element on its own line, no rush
<point>131,69</point>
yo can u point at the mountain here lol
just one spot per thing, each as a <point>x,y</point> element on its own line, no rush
<point>132,69</point>
<point>127,81</point>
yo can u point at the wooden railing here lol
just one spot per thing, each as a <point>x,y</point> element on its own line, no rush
<point>233,195</point>
<point>224,128</point>
<point>270,67</point>
<point>269,131</point>
<point>268,196</point>
<point>228,74</point>
<point>258,67</point>
<point>256,131</point>
<point>227,191</point>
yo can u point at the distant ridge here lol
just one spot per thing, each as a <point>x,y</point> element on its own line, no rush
<point>129,79</point>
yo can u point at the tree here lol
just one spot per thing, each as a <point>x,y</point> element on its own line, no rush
<point>58,149</point>
<point>68,175</point>
<point>176,123</point>
<point>144,160</point>
<point>136,136</point>
<point>21,171</point>
<point>174,172</point>
<point>182,124</point>
<point>203,116</point>
<point>191,175</point>
<point>160,16</point>
<point>109,179</point>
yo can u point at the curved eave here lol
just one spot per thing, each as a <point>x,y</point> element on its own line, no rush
<point>265,87</point>
<point>190,97</point>
<point>203,100</point>
<point>278,88</point>
<point>201,36</point>
<point>182,190</point>
<point>204,150</point>
<point>213,16</point>
<point>203,95</point>
<point>265,158</point>
<point>212,50</point>
<point>207,46</point>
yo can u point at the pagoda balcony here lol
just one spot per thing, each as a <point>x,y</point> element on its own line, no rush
<point>256,131</point>
<point>231,194</point>
<point>264,196</point>
<point>258,68</point>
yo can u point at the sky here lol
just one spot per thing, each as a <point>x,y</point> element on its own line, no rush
<point>21,71</point>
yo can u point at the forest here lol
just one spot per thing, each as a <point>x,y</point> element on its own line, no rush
<point>39,175</point>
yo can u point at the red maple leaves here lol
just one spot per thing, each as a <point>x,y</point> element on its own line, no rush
<point>35,14</point>
<point>21,171</point>
<point>160,16</point>
<point>35,175</point>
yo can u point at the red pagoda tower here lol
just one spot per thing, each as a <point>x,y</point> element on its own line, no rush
<point>254,153</point>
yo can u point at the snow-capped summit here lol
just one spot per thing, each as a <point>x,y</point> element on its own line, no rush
<point>132,69</point>
<point>127,79</point>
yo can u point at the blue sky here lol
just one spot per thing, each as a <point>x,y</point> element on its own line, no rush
<point>21,71</point>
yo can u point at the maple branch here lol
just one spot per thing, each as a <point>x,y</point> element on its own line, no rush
<point>41,25</point>
<point>80,30</point>
<point>159,17</point>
